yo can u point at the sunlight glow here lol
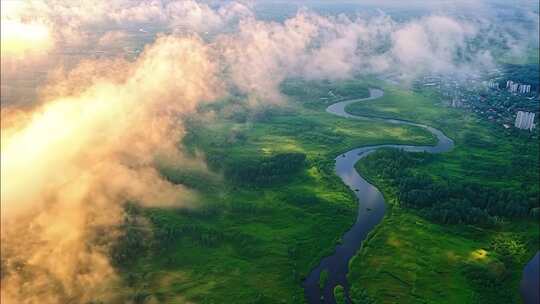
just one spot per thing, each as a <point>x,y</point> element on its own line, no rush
<point>20,38</point>
<point>479,254</point>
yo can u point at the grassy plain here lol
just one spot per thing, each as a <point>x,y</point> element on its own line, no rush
<point>250,242</point>
<point>409,259</point>
<point>254,242</point>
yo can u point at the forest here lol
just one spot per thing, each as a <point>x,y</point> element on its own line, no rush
<point>278,168</point>
<point>449,201</point>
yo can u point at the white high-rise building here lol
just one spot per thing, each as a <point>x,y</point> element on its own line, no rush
<point>493,84</point>
<point>524,120</point>
<point>524,88</point>
<point>511,86</point>
<point>514,87</point>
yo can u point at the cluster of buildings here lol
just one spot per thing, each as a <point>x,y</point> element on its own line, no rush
<point>525,120</point>
<point>514,87</point>
<point>456,103</point>
<point>516,106</point>
<point>493,84</point>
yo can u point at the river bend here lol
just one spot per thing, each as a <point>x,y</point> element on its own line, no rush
<point>371,203</point>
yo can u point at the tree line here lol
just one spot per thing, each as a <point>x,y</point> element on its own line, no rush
<point>448,201</point>
<point>267,170</point>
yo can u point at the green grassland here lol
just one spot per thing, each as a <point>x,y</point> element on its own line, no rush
<point>268,209</point>
<point>270,206</point>
<point>411,259</point>
<point>483,153</point>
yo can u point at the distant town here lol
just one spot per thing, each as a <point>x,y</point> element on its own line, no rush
<point>509,103</point>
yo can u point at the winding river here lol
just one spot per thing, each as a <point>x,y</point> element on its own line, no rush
<point>372,207</point>
<point>530,281</point>
<point>371,212</point>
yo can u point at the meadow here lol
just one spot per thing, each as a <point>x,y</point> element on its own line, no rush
<point>268,209</point>
<point>412,258</point>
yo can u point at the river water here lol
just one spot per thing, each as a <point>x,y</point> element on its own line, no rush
<point>530,281</point>
<point>372,205</point>
<point>371,211</point>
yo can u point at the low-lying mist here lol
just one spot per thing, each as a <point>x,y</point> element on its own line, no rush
<point>94,93</point>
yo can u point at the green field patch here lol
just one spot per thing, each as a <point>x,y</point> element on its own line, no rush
<point>433,263</point>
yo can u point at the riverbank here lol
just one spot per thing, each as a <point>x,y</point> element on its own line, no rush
<point>257,238</point>
<point>410,259</point>
<point>372,206</point>
<point>251,239</point>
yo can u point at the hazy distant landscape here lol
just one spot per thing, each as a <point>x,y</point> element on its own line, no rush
<point>270,152</point>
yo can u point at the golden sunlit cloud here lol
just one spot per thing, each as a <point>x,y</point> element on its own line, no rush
<point>88,139</point>
<point>20,34</point>
<point>70,164</point>
<point>20,38</point>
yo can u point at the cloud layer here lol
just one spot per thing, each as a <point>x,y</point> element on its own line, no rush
<point>115,80</point>
<point>250,50</point>
<point>68,165</point>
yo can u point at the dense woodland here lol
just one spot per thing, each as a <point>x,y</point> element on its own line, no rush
<point>268,170</point>
<point>450,201</point>
<point>454,203</point>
